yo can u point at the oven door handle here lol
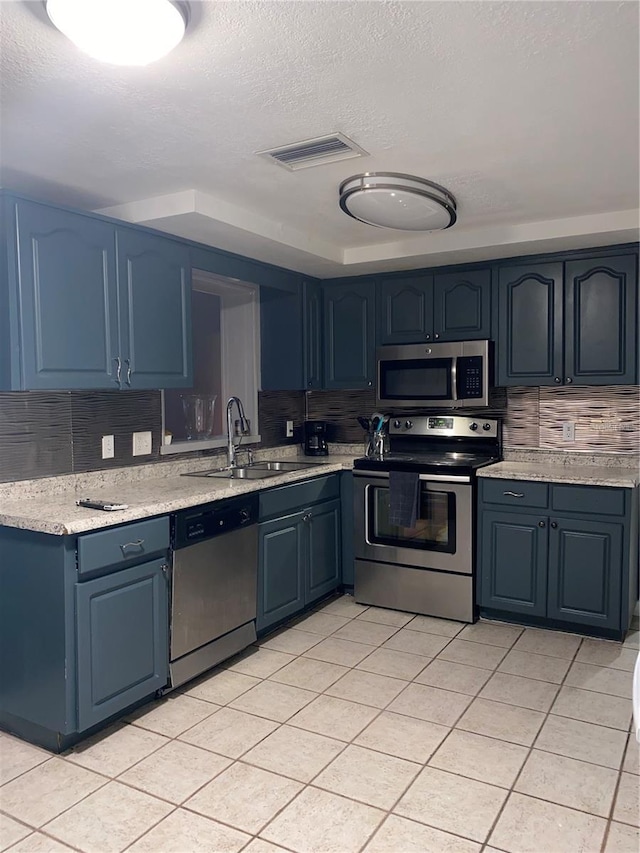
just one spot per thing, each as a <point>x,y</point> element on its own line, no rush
<point>424,478</point>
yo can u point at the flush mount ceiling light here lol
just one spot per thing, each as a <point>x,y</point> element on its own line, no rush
<point>393,200</point>
<point>122,32</point>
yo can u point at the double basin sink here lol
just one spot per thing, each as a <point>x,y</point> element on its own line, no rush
<point>254,471</point>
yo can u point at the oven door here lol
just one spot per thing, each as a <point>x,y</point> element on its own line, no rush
<point>443,536</point>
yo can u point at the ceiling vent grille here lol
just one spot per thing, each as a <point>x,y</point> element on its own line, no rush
<point>314,152</point>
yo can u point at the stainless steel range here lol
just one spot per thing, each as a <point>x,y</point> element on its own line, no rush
<point>426,567</point>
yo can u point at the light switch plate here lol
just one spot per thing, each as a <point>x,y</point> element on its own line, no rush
<point>108,447</point>
<point>568,431</point>
<point>289,429</point>
<point>141,443</point>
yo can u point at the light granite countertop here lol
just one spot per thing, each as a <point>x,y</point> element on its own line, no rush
<point>569,471</point>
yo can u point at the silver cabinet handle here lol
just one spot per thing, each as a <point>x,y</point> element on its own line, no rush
<point>307,517</point>
<point>568,380</point>
<point>128,363</point>
<point>513,494</point>
<point>427,337</point>
<point>165,570</point>
<point>541,524</point>
<point>557,380</point>
<point>118,369</point>
<point>369,383</point>
<point>137,544</point>
<point>436,336</point>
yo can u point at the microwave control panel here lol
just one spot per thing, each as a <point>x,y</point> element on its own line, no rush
<point>469,379</point>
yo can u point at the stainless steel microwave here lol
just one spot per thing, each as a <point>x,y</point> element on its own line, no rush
<point>448,375</point>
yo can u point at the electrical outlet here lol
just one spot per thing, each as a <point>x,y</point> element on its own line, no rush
<point>289,429</point>
<point>568,431</point>
<point>141,443</point>
<point>108,449</point>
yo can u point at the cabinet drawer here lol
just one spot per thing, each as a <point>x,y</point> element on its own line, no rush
<point>119,545</point>
<point>287,499</point>
<point>599,500</point>
<point>517,493</point>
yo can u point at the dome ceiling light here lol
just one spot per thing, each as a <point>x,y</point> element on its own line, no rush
<point>394,200</point>
<point>121,32</point>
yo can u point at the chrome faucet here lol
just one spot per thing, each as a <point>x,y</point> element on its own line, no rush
<point>244,428</point>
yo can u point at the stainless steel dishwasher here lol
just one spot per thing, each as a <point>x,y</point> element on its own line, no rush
<point>214,579</point>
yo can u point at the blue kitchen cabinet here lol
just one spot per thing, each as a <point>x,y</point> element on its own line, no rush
<point>349,334</point>
<point>405,310</point>
<point>122,636</point>
<point>281,549</point>
<point>312,335</point>
<point>324,550</point>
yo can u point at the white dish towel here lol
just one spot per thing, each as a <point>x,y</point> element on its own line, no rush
<point>636,698</point>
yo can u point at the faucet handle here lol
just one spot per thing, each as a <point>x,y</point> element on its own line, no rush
<point>249,456</point>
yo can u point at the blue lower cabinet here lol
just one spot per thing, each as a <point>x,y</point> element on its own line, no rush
<point>323,574</point>
<point>122,640</point>
<point>280,569</point>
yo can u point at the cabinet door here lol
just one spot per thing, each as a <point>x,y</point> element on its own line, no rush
<point>154,281</point>
<point>281,340</point>
<point>123,645</point>
<point>67,299</point>
<point>405,310</point>
<point>312,334</point>
<point>462,306</point>
<point>349,327</point>
<point>513,557</point>
<point>585,572</point>
<point>530,333</point>
<point>280,569</point>
<point>324,556</point>
<point>601,321</point>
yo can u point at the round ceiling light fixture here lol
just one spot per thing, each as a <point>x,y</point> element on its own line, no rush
<point>394,200</point>
<point>121,32</point>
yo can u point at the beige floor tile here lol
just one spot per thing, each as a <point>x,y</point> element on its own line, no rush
<point>175,771</point>
<point>259,662</point>
<point>370,633</point>
<point>430,703</point>
<point>505,722</point>
<point>568,782</point>
<point>229,732</point>
<point>532,826</point>
<point>222,687</point>
<point>296,753</point>
<point>40,794</point>
<point>386,617</point>
<point>452,803</point>
<point>183,831</point>
<point>478,757</point>
<point>584,741</point>
<point>320,822</point>
<point>370,777</point>
<point>540,667</point>
<point>38,842</point>
<point>417,642</point>
<point>627,806</point>
<point>17,757</point>
<point>114,750</point>
<point>491,633</point>
<point>245,797</point>
<point>553,643</point>
<point>259,845</point>
<point>622,839</point>
<point>273,700</point>
<point>322,623</point>
<point>309,674</point>
<point>172,715</point>
<point>335,718</point>
<point>473,654</point>
<point>524,692</point>
<point>367,688</point>
<point>614,682</point>
<point>604,653</point>
<point>290,640</point>
<point>344,606</point>
<point>632,640</point>
<point>11,831</point>
<point>632,756</point>
<point>593,707</point>
<point>404,737</point>
<point>108,820</point>
<point>394,663</point>
<point>343,652</point>
<point>399,835</point>
<point>453,676</point>
<point>433,625</point>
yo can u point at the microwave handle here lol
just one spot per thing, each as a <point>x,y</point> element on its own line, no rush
<point>454,378</point>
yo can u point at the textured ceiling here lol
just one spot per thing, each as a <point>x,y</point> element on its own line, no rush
<point>526,111</point>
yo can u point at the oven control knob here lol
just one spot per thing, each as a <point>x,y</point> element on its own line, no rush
<point>408,424</point>
<point>397,424</point>
<point>473,426</point>
<point>486,427</point>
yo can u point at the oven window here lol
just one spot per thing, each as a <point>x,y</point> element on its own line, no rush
<point>416,379</point>
<point>435,528</point>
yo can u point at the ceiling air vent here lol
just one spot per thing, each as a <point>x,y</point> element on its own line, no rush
<point>314,152</point>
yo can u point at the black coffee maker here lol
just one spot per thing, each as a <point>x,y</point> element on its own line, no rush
<point>315,438</point>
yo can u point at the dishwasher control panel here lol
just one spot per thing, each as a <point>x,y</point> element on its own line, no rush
<point>213,519</point>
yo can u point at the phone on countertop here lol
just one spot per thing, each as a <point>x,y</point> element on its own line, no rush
<point>107,506</point>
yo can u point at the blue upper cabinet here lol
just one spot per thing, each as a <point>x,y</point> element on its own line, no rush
<point>154,281</point>
<point>349,334</point>
<point>88,305</point>
<point>312,334</point>
<point>405,310</point>
<point>64,302</point>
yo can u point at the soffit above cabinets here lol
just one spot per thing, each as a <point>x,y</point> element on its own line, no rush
<point>527,112</point>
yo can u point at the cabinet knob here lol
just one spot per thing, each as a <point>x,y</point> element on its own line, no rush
<point>436,336</point>
<point>541,524</point>
<point>557,380</point>
<point>568,380</point>
<point>428,337</point>
<point>310,383</point>
<point>369,383</point>
<point>554,524</point>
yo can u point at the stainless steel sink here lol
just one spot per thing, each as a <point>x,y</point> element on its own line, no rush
<point>256,471</point>
<point>282,465</point>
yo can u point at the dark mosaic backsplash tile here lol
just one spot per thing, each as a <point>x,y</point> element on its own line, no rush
<point>35,434</point>
<point>340,409</point>
<point>275,408</point>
